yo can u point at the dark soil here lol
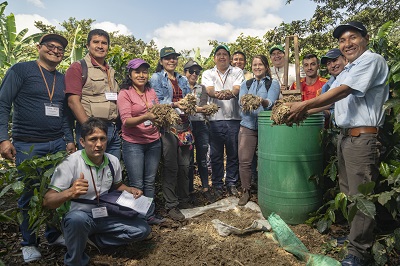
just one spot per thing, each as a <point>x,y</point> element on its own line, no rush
<point>194,242</point>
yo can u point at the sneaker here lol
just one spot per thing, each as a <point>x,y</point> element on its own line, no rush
<point>352,260</point>
<point>185,205</point>
<point>210,197</point>
<point>244,198</point>
<point>60,241</point>
<point>31,253</point>
<point>232,190</point>
<point>176,214</point>
<point>155,219</point>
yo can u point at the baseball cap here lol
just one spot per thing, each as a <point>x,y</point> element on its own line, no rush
<point>349,25</point>
<point>331,54</point>
<point>222,46</point>
<point>136,63</point>
<point>191,63</point>
<point>54,37</point>
<point>167,51</point>
<point>276,47</point>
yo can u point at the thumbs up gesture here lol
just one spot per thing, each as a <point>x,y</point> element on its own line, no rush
<point>79,187</point>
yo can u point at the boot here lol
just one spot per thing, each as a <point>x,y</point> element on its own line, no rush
<point>244,198</point>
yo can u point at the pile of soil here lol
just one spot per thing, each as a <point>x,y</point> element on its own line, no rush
<point>193,242</point>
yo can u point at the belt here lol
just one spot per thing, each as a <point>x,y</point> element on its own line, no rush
<point>356,131</point>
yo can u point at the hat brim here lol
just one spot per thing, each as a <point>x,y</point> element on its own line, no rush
<point>342,28</point>
<point>274,49</point>
<point>325,59</point>
<point>167,54</point>
<point>55,37</point>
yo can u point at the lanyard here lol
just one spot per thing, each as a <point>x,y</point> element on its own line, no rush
<point>94,185</point>
<point>226,77</point>
<point>45,82</point>
<point>145,96</point>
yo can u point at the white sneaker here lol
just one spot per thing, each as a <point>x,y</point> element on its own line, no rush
<point>31,253</point>
<point>60,241</point>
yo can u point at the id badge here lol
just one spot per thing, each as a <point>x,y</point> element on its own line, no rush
<point>99,212</point>
<point>52,109</point>
<point>111,96</point>
<point>147,123</point>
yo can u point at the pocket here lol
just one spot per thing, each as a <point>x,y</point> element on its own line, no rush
<point>100,109</point>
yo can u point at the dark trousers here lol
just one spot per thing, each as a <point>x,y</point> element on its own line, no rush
<point>358,163</point>
<point>247,146</point>
<point>224,137</point>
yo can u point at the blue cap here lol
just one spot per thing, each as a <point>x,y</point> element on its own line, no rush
<point>331,54</point>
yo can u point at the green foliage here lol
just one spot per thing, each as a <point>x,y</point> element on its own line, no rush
<point>32,174</point>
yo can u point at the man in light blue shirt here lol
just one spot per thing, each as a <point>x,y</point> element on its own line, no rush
<point>359,93</point>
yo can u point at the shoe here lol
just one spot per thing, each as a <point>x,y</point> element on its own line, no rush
<point>155,219</point>
<point>244,198</point>
<point>176,214</point>
<point>218,193</point>
<point>352,260</point>
<point>232,190</point>
<point>340,240</point>
<point>210,197</point>
<point>60,241</point>
<point>185,205</point>
<point>31,253</point>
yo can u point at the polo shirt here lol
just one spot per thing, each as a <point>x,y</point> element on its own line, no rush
<point>70,169</point>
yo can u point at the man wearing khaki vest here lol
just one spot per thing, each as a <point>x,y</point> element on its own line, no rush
<point>95,95</point>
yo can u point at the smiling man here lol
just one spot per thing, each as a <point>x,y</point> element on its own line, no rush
<point>359,93</point>
<point>312,84</point>
<point>92,89</point>
<point>35,89</point>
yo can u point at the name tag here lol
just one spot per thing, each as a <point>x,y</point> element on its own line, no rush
<point>99,212</point>
<point>52,110</point>
<point>111,96</point>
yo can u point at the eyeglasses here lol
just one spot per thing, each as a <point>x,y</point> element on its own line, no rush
<point>52,47</point>
<point>197,72</point>
<point>169,57</point>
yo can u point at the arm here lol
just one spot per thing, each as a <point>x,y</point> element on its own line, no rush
<point>67,128</point>
<point>136,192</point>
<point>9,89</point>
<point>53,199</point>
<point>74,102</point>
<point>299,109</point>
<point>272,95</point>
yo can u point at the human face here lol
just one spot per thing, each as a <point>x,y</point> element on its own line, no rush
<point>98,47</point>
<point>352,44</point>
<point>258,68</point>
<point>95,145</point>
<point>140,76</point>
<point>277,58</point>
<point>169,62</point>
<point>192,78</point>
<point>336,65</point>
<point>238,61</point>
<point>49,52</point>
<point>311,67</point>
<point>221,59</point>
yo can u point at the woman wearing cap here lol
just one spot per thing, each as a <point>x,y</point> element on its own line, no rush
<point>268,89</point>
<point>200,130</point>
<point>170,88</point>
<point>141,145</point>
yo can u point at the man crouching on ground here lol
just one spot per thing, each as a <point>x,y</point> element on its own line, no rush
<point>87,174</point>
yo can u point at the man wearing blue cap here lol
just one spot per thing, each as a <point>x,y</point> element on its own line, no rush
<point>359,93</point>
<point>335,63</point>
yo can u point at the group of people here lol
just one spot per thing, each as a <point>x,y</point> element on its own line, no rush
<point>43,98</point>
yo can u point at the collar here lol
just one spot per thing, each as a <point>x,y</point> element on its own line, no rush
<point>229,69</point>
<point>357,61</point>
<point>165,74</point>
<point>95,63</point>
<point>91,164</point>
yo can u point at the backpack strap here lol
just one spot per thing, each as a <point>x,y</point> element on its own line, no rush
<point>249,82</point>
<point>267,84</point>
<point>84,71</point>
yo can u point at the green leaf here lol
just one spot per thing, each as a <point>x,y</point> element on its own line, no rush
<point>18,187</point>
<point>379,252</point>
<point>5,189</point>
<point>322,225</point>
<point>352,212</point>
<point>367,207</point>
<point>385,196</point>
<point>366,188</point>
<point>384,169</point>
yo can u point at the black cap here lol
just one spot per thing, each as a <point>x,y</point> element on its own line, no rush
<point>331,54</point>
<point>349,25</point>
<point>53,36</point>
<point>191,63</point>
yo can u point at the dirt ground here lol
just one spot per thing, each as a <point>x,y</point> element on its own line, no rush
<point>193,242</point>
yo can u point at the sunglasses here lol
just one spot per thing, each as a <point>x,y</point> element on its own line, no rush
<point>52,47</point>
<point>197,72</point>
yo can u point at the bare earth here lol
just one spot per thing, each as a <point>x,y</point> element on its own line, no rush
<point>194,242</point>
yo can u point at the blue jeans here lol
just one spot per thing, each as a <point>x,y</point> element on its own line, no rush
<point>106,231</point>
<point>201,135</point>
<point>113,142</point>
<point>39,149</point>
<point>141,163</point>
<point>224,134</point>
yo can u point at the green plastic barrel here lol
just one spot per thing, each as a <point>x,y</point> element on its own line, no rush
<point>288,158</point>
